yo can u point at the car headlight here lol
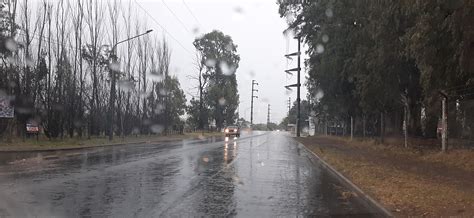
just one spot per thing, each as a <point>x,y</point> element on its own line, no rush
<point>226,130</point>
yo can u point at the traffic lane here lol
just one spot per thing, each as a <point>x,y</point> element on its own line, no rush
<point>266,176</point>
<point>259,176</point>
<point>101,181</point>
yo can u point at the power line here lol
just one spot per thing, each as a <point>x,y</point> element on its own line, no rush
<point>192,14</point>
<point>176,16</point>
<point>163,28</point>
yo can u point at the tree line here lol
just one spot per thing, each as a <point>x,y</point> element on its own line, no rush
<point>383,62</point>
<point>63,69</point>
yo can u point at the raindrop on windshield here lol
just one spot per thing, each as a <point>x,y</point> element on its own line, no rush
<point>222,101</point>
<point>135,130</point>
<point>195,30</point>
<point>226,69</point>
<point>155,76</point>
<point>319,94</point>
<point>159,109</point>
<point>146,122</point>
<point>126,85</point>
<point>288,91</point>
<point>319,48</point>
<point>163,92</point>
<point>11,45</point>
<point>210,62</point>
<point>252,73</point>
<point>156,128</point>
<point>325,38</point>
<point>229,47</point>
<point>29,62</point>
<point>11,60</point>
<point>265,100</point>
<point>239,10</point>
<point>77,123</point>
<point>24,110</point>
<point>58,107</point>
<point>329,12</point>
<point>114,66</point>
<point>238,13</point>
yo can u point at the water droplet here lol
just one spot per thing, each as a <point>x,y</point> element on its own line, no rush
<point>11,60</point>
<point>319,48</point>
<point>229,47</point>
<point>58,107</point>
<point>222,101</point>
<point>78,123</point>
<point>265,100</point>
<point>252,73</point>
<point>319,94</point>
<point>29,62</point>
<point>163,92</point>
<point>290,18</point>
<point>135,130</point>
<point>159,109</point>
<point>205,159</point>
<point>288,91</point>
<point>155,76</point>
<point>325,38</point>
<point>156,128</point>
<point>210,62</point>
<point>329,12</point>
<point>239,10</point>
<point>114,66</point>
<point>238,13</point>
<point>11,45</point>
<point>24,110</point>
<point>226,69</point>
<point>126,85</point>
<point>195,30</point>
<point>146,122</point>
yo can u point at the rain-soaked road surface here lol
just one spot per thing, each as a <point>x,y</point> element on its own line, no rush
<point>259,174</point>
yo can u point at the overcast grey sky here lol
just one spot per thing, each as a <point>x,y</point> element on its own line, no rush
<point>254,25</point>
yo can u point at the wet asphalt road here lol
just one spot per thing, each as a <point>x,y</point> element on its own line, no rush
<point>262,174</point>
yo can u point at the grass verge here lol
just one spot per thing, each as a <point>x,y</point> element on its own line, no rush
<point>32,144</point>
<point>409,182</point>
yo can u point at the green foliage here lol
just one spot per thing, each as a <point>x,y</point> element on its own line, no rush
<point>168,102</point>
<point>365,55</point>
<point>220,58</point>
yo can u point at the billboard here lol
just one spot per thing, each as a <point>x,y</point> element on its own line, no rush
<point>6,110</point>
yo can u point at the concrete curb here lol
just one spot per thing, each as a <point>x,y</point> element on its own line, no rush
<point>367,198</point>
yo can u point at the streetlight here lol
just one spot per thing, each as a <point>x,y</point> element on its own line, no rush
<point>113,56</point>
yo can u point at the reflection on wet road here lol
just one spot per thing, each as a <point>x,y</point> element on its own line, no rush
<point>265,174</point>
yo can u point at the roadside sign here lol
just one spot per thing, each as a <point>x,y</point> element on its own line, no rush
<point>32,128</point>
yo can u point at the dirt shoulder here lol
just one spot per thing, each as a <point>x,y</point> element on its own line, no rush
<point>44,144</point>
<point>409,182</point>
